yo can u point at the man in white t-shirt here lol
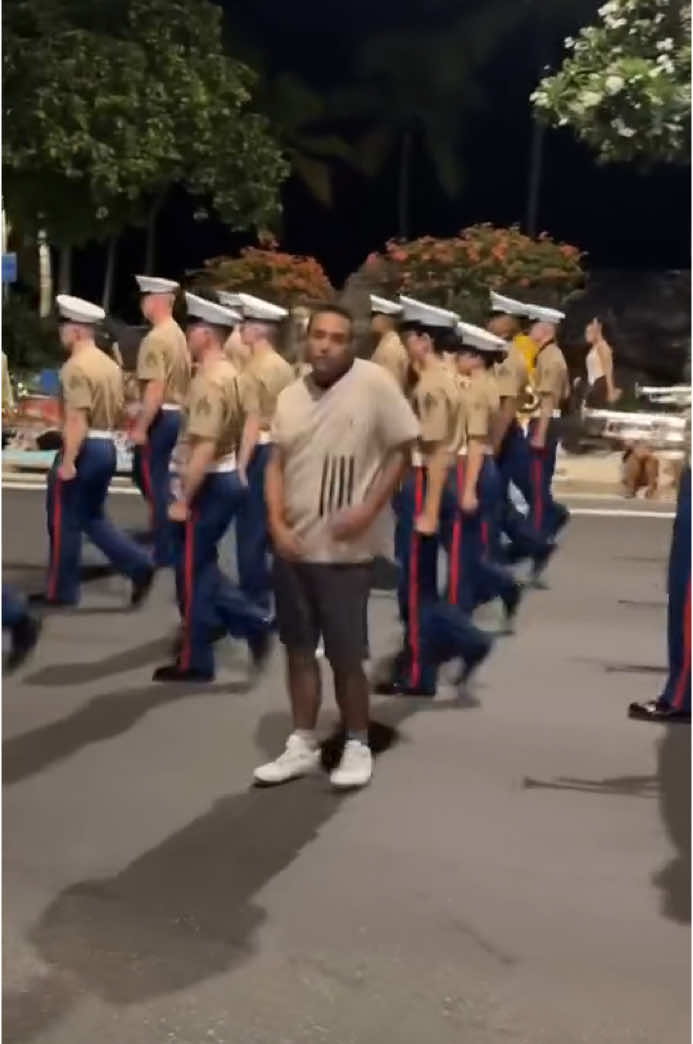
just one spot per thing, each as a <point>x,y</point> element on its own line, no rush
<point>340,436</point>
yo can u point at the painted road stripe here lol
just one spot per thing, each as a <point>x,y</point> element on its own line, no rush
<point>596,512</point>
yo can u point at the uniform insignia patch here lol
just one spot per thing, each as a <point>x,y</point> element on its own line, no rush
<point>150,359</point>
<point>76,382</point>
<point>429,402</point>
<point>203,406</point>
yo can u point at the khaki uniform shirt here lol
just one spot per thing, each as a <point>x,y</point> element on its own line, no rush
<point>436,402</point>
<point>163,356</point>
<point>552,374</point>
<point>480,405</point>
<point>333,443</point>
<point>270,373</point>
<point>393,357</point>
<point>93,382</point>
<point>511,375</point>
<point>220,400</point>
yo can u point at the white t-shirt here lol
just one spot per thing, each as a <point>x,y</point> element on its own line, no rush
<point>334,442</point>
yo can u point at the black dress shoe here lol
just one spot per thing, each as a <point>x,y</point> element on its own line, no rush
<point>395,688</point>
<point>42,601</point>
<point>173,673</point>
<point>658,711</point>
<point>511,605</point>
<point>539,564</point>
<point>25,635</point>
<point>472,664</point>
<point>141,588</point>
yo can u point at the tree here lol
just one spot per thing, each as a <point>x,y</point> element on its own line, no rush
<point>413,91</point>
<point>106,106</point>
<point>625,88</point>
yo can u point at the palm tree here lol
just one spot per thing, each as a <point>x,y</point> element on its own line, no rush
<point>413,91</point>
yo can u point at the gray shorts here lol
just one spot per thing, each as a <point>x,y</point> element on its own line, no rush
<point>314,599</point>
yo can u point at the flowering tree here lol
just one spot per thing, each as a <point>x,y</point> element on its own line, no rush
<point>459,272</point>
<point>625,89</point>
<point>286,279</point>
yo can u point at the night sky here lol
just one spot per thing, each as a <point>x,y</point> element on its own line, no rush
<point>622,217</point>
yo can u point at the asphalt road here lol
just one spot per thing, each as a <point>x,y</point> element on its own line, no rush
<point>519,870</point>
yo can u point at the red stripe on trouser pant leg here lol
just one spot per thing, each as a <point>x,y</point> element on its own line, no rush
<point>188,584</point>
<point>454,587</point>
<point>414,582</point>
<point>684,674</point>
<point>537,470</point>
<point>484,536</point>
<point>54,573</point>
<point>147,479</point>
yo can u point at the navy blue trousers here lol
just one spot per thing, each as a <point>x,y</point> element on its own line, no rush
<point>252,537</point>
<point>546,514</point>
<point>677,691</point>
<point>515,465</point>
<point>13,607</point>
<point>77,507</point>
<point>207,598</point>
<point>436,630</point>
<point>150,472</point>
<point>475,576</point>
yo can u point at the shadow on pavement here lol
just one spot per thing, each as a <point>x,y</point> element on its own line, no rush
<point>629,786</point>
<point>185,910</point>
<point>80,673</point>
<point>674,772</point>
<point>101,719</point>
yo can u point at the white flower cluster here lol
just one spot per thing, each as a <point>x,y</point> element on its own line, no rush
<point>624,87</point>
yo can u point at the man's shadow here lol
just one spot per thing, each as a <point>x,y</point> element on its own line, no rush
<point>185,910</point>
<point>674,770</point>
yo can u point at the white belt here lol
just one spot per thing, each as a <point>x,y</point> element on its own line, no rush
<point>417,459</point>
<point>555,414</point>
<point>462,452</point>
<point>227,463</point>
<point>171,406</point>
<point>94,433</point>
<point>264,438</point>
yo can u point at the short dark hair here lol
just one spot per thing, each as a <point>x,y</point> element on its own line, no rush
<point>332,309</point>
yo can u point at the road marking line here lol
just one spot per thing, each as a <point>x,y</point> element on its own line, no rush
<point>621,513</point>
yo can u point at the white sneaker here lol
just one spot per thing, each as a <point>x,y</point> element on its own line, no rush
<point>356,767</point>
<point>298,759</point>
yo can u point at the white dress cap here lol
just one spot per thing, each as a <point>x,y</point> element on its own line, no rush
<point>544,315</point>
<point>382,306</point>
<point>500,303</point>
<point>228,299</point>
<point>263,311</point>
<point>210,312</point>
<point>79,311</point>
<point>155,285</point>
<point>414,311</point>
<point>480,339</point>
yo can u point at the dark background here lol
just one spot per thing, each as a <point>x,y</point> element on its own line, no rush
<point>623,217</point>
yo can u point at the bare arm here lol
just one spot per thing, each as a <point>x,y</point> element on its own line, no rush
<point>504,419</point>
<point>75,428</point>
<point>251,433</point>
<point>475,460</point>
<point>607,360</point>
<point>547,404</point>
<point>199,460</point>
<point>437,460</point>
<point>152,400</point>
<point>285,541</point>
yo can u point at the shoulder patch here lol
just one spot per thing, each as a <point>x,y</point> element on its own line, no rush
<point>203,406</point>
<point>150,358</point>
<point>429,401</point>
<point>76,381</point>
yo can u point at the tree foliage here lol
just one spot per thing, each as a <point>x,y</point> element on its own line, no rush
<point>458,272</point>
<point>625,88</point>
<point>286,279</point>
<point>107,105</point>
